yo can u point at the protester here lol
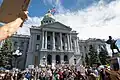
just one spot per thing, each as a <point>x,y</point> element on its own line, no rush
<point>61,72</point>
<point>10,28</point>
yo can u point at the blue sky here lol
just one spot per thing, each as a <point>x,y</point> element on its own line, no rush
<point>90,18</point>
<point>40,7</point>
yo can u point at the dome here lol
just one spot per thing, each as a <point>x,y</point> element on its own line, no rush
<point>48,19</point>
<point>48,15</point>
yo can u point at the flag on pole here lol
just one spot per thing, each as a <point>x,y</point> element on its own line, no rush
<point>53,10</point>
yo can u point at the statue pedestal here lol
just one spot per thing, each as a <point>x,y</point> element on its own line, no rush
<point>115,61</point>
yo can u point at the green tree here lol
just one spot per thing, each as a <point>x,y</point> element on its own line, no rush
<point>87,60</point>
<point>6,53</point>
<point>103,55</point>
<point>93,56</point>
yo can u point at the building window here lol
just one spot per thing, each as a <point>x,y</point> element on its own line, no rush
<point>66,61</point>
<point>85,47</point>
<point>46,21</point>
<point>48,47</point>
<point>38,37</point>
<point>48,38</point>
<point>15,44</point>
<point>56,39</point>
<point>37,47</point>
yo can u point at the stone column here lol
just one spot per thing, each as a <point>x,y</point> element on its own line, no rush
<point>61,43</point>
<point>78,49</point>
<point>75,48</point>
<point>42,39</point>
<point>68,42</point>
<point>53,40</point>
<point>66,46</point>
<point>30,44</point>
<point>33,43</point>
<point>71,43</point>
<point>46,40</point>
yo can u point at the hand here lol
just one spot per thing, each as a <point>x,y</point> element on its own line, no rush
<point>23,15</point>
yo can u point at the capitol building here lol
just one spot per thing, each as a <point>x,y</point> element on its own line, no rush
<point>52,43</point>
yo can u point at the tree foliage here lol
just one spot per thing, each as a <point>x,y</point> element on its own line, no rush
<point>103,55</point>
<point>92,56</point>
<point>86,59</point>
<point>6,53</point>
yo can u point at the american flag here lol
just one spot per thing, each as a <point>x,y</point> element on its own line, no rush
<point>53,10</point>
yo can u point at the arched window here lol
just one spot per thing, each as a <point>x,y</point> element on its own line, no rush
<point>57,59</point>
<point>49,59</point>
<point>66,59</point>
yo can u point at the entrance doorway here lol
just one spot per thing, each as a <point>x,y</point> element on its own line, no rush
<point>49,59</point>
<point>57,59</point>
<point>66,59</point>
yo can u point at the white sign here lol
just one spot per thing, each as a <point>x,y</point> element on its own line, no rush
<point>31,66</point>
<point>53,66</point>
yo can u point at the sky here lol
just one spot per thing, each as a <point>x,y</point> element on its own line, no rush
<point>90,18</point>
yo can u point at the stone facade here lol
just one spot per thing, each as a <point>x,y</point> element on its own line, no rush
<point>21,41</point>
<point>52,43</point>
<point>84,46</point>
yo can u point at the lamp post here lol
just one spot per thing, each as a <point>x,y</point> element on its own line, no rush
<point>16,54</point>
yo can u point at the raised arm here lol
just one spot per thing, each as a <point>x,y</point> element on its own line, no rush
<point>8,29</point>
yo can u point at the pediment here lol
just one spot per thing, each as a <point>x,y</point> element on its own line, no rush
<point>57,26</point>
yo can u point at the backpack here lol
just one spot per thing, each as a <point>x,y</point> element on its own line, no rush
<point>28,75</point>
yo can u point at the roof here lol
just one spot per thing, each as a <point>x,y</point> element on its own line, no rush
<point>42,26</point>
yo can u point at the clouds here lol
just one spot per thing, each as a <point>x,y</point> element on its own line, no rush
<point>97,21</point>
<point>57,4</point>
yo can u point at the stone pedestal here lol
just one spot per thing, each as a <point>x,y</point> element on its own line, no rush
<point>115,61</point>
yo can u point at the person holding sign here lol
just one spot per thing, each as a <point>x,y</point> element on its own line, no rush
<point>13,15</point>
<point>10,28</point>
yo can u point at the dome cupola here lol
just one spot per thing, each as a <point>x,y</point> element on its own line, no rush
<point>48,18</point>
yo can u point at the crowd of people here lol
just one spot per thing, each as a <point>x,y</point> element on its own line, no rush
<point>61,72</point>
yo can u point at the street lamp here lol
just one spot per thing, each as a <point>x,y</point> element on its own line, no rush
<point>16,54</point>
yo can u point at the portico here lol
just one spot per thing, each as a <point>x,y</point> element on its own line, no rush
<point>58,43</point>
